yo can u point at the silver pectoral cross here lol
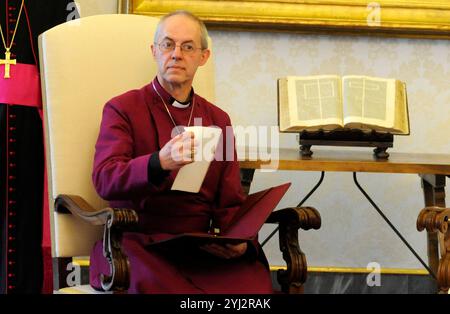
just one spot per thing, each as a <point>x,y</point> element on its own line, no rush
<point>7,62</point>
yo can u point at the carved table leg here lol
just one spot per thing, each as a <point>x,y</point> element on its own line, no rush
<point>434,218</point>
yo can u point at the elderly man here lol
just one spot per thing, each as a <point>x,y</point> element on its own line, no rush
<point>140,148</point>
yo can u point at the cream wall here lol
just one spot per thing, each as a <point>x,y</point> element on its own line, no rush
<point>352,233</point>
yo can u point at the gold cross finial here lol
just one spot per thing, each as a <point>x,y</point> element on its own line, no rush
<point>7,62</point>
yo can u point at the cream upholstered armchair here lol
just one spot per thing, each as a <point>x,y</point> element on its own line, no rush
<point>84,63</point>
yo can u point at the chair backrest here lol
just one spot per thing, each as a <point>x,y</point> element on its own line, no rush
<point>84,63</point>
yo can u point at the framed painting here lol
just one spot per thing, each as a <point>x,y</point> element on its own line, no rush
<point>399,18</point>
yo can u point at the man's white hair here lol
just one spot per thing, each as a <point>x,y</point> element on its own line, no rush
<point>203,30</point>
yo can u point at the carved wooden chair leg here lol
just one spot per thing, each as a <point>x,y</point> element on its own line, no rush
<point>290,220</point>
<point>117,222</point>
<point>435,219</point>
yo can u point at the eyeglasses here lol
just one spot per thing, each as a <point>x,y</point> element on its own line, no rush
<point>168,45</point>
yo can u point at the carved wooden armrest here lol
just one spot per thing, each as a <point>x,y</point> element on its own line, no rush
<point>290,220</point>
<point>116,221</point>
<point>299,217</point>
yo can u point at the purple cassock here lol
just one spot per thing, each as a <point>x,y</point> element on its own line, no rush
<point>135,125</point>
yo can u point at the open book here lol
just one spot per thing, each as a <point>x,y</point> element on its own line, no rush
<point>244,225</point>
<point>329,102</point>
<point>190,177</point>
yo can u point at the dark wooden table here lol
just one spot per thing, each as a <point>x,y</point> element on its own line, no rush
<point>431,168</point>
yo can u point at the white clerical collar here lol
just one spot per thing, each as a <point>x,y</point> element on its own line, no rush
<point>180,105</point>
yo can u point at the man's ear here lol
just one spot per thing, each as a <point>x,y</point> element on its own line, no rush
<point>205,56</point>
<point>153,48</point>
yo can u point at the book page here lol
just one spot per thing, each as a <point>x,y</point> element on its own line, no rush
<point>368,101</point>
<point>318,100</point>
<point>284,120</point>
<point>313,102</point>
<point>190,177</point>
<point>401,109</point>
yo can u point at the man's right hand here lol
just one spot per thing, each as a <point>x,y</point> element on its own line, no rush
<point>178,152</point>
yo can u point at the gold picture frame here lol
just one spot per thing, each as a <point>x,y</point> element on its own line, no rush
<point>397,18</point>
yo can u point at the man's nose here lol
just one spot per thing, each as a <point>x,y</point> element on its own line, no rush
<point>176,53</point>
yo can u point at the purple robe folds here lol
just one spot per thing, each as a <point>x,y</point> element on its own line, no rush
<point>134,126</point>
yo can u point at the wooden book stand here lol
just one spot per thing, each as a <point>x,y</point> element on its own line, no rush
<point>346,137</point>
